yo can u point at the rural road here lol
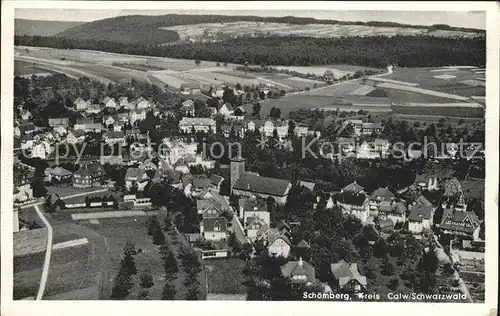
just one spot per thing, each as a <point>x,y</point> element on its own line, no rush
<point>46,264</point>
<point>48,253</point>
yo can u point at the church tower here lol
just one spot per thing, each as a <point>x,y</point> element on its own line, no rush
<point>237,170</point>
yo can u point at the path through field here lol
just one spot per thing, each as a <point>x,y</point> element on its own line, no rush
<point>46,264</point>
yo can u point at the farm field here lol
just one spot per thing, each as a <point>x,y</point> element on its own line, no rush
<point>310,30</point>
<point>225,276</point>
<point>452,83</point>
<point>336,90</point>
<point>22,68</point>
<point>99,66</point>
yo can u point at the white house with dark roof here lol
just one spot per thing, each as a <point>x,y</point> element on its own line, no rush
<point>187,108</point>
<point>81,105</point>
<point>458,221</point>
<point>356,204</point>
<point>110,103</point>
<point>299,272</point>
<point>75,136</point>
<point>114,137</point>
<point>214,228</point>
<point>420,218</point>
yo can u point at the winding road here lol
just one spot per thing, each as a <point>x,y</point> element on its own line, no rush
<point>48,253</point>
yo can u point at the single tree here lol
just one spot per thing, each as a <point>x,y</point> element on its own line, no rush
<point>146,279</point>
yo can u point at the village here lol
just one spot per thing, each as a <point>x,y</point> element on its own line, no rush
<point>108,153</point>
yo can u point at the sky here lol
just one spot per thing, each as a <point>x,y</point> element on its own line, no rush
<point>470,19</point>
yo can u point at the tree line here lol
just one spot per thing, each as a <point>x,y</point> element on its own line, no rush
<point>374,51</point>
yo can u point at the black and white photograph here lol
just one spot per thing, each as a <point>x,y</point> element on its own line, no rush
<point>213,152</point>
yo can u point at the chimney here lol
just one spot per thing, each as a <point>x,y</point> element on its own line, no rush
<point>300,262</point>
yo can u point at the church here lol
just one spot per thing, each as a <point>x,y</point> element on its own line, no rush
<point>248,184</point>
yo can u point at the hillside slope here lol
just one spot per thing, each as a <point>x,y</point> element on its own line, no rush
<point>144,29</point>
<point>42,28</point>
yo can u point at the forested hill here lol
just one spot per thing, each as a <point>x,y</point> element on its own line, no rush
<point>144,29</point>
<point>42,28</point>
<point>376,51</point>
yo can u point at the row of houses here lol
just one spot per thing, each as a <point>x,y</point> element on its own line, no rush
<point>107,102</point>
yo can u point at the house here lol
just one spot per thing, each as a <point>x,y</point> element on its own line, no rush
<point>239,112</point>
<point>59,122</point>
<point>252,225</point>
<point>395,211</point>
<point>299,272</point>
<point>213,228</point>
<point>39,150</point>
<point>356,124</point>
<point>247,207</point>
<point>88,176</point>
<point>308,185</point>
<point>267,129</point>
<point>353,187</point>
<point>188,89</point>
<point>282,129</point>
<point>108,120</point>
<point>370,128</point>
<point>94,109</point>
<point>123,102</point>
<point>75,136</point>
<point>452,187</point>
<point>215,182</point>
<point>27,142</point>
<point>366,151</point>
<point>420,218</point>
<point>226,110</point>
<point>22,190</point>
<point>137,176</point>
<point>382,194</point>
<point>110,103</point>
<point>113,137</point>
<point>348,277</point>
<point>187,108</point>
<point>458,221</point>
<point>426,182</point>
<point>250,185</point>
<point>137,115</point>
<point>57,173</point>
<point>356,204</point>
<point>382,146</point>
<point>87,125</point>
<point>25,115</point>
<point>301,131</point>
<point>142,104</point>
<point>346,146</point>
<point>190,124</point>
<point>278,245</point>
<point>210,208</point>
<point>81,105</point>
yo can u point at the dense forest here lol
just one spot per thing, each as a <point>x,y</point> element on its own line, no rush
<point>377,51</point>
<point>141,29</point>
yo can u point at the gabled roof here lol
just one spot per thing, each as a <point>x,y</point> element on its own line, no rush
<point>423,200</point>
<point>308,185</point>
<point>209,224</point>
<point>254,219</point>
<point>345,272</point>
<point>228,106</point>
<point>135,174</point>
<point>60,171</point>
<point>77,132</point>
<point>351,198</point>
<point>383,193</point>
<point>300,267</point>
<point>456,217</point>
<point>264,185</point>
<point>303,244</point>
<point>452,187</point>
<point>419,212</point>
<point>196,121</point>
<point>252,205</point>
<point>215,179</point>
<point>353,187</point>
<point>187,104</point>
